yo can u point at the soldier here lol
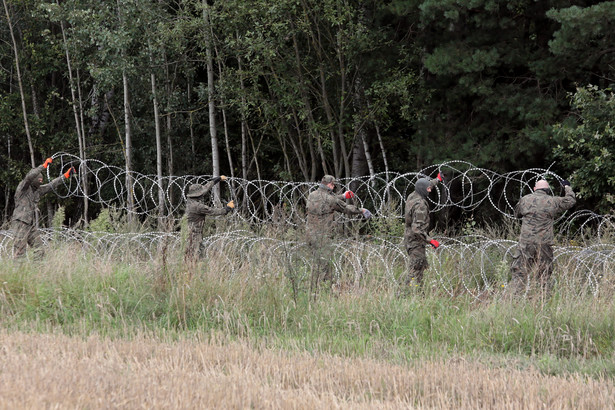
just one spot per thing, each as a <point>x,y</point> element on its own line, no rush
<point>26,213</point>
<point>535,249</point>
<point>321,207</point>
<point>196,211</point>
<point>416,234</point>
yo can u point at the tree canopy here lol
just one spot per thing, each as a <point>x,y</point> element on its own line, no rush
<point>293,89</point>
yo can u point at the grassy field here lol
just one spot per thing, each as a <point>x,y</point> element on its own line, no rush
<point>79,330</point>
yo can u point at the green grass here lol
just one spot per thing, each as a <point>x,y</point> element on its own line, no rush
<point>82,294</point>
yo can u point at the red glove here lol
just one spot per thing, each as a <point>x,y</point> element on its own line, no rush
<point>348,194</point>
<point>70,172</point>
<point>439,177</point>
<point>434,243</point>
<point>47,162</point>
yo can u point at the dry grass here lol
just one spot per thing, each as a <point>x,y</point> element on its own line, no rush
<point>58,371</point>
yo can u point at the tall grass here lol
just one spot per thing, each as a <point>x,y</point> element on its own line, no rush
<point>83,294</point>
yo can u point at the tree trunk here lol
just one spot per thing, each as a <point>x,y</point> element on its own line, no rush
<point>310,116</point>
<point>78,114</point>
<point>342,108</point>
<point>161,205</point>
<point>128,150</point>
<point>244,123</point>
<point>215,159</point>
<point>21,92</point>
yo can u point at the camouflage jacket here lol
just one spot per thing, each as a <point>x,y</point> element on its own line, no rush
<point>416,214</point>
<point>196,210</point>
<point>27,196</point>
<point>538,210</point>
<point>321,207</point>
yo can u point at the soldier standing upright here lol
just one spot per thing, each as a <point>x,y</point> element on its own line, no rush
<point>321,207</point>
<point>416,235</point>
<point>196,211</point>
<point>535,250</point>
<point>26,213</point>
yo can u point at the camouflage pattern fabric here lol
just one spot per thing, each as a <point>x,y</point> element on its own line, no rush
<point>535,250</point>
<point>26,235</point>
<point>321,207</point>
<point>196,212</point>
<point>26,213</point>
<point>416,233</point>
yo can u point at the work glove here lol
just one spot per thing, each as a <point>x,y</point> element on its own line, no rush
<point>222,178</point>
<point>70,172</point>
<point>366,214</point>
<point>564,182</point>
<point>348,194</point>
<point>47,162</point>
<point>230,206</point>
<point>434,243</point>
<point>439,177</point>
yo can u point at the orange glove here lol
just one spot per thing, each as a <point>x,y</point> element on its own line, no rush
<point>222,178</point>
<point>47,162</point>
<point>70,172</point>
<point>231,204</point>
<point>434,243</point>
<point>348,194</point>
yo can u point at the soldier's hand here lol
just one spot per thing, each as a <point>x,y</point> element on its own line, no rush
<point>439,177</point>
<point>231,204</point>
<point>47,162</point>
<point>348,194</point>
<point>434,243</point>
<point>70,172</point>
<point>222,178</point>
<point>366,213</point>
<point>564,182</point>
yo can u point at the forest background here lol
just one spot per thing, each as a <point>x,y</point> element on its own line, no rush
<point>294,89</point>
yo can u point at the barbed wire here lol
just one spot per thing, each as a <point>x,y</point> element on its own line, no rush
<point>466,187</point>
<point>473,265</point>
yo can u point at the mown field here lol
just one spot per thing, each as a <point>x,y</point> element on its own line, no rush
<point>81,330</point>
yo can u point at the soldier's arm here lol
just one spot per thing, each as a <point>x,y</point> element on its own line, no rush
<point>340,206</point>
<point>209,185</point>
<point>519,209</point>
<point>420,222</point>
<point>56,182</point>
<point>568,200</point>
<point>204,210</point>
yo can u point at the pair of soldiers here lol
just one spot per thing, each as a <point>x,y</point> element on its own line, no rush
<point>534,252</point>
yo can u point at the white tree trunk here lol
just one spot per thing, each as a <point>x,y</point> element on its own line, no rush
<point>215,157</point>
<point>21,92</point>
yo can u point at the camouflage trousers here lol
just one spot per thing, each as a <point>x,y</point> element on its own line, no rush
<point>26,235</point>
<point>417,263</point>
<point>531,260</point>
<point>320,254</point>
<point>192,251</point>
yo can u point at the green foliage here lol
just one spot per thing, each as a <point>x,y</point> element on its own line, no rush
<point>109,220</point>
<point>58,218</point>
<point>586,145</point>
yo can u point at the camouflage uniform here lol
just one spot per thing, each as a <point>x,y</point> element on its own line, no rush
<point>26,213</point>
<point>417,227</point>
<point>535,249</point>
<point>321,207</point>
<point>196,211</point>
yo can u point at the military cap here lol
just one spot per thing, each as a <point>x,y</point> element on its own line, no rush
<point>327,179</point>
<point>195,191</point>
